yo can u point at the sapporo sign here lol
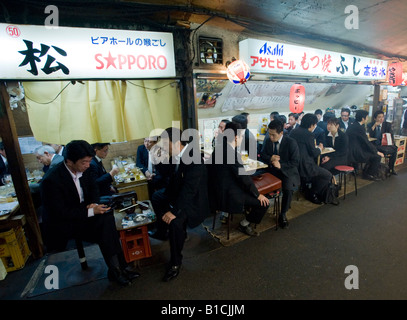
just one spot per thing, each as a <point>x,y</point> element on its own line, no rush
<point>36,52</point>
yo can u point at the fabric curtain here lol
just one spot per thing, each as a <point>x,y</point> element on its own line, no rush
<point>101,111</point>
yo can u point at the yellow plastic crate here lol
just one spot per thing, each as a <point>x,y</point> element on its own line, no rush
<point>14,250</point>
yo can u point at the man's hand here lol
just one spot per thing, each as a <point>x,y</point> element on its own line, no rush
<point>98,208</point>
<point>380,154</point>
<point>168,217</point>
<point>263,200</point>
<point>115,170</point>
<point>325,159</point>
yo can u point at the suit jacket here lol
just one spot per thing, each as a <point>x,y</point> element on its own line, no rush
<point>319,135</point>
<point>341,147</point>
<point>62,208</point>
<point>227,185</point>
<point>289,160</point>
<point>102,178</point>
<point>360,148</point>
<point>3,170</point>
<point>342,124</point>
<point>35,187</point>
<point>187,192</point>
<point>386,128</point>
<point>308,152</point>
<point>142,158</point>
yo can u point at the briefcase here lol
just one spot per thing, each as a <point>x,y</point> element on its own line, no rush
<point>266,183</point>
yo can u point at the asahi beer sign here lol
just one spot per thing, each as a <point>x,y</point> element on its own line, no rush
<point>281,58</point>
<point>37,52</point>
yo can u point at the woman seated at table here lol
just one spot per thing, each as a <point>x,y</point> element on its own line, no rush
<point>337,140</point>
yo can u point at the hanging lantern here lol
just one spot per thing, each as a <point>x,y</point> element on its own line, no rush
<point>297,98</point>
<point>238,72</point>
<point>395,74</point>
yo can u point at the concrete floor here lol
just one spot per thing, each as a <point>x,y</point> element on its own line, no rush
<point>308,261</point>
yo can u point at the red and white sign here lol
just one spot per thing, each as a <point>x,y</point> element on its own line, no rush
<point>37,52</point>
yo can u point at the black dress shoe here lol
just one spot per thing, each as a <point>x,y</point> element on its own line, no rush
<point>283,223</point>
<point>172,273</point>
<point>130,274</point>
<point>114,274</point>
<point>314,199</point>
<point>394,173</point>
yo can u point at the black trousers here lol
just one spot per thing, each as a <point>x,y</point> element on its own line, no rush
<point>287,193</point>
<point>372,165</point>
<point>177,229</point>
<point>256,211</point>
<point>390,151</point>
<point>99,229</point>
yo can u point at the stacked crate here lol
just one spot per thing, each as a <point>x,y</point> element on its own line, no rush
<point>14,250</point>
<point>400,142</point>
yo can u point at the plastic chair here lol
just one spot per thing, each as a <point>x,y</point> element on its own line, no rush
<point>343,172</point>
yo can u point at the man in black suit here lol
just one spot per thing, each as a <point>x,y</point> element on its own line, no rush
<point>337,140</point>
<point>232,189</point>
<point>184,202</point>
<point>71,210</point>
<point>282,155</point>
<point>292,122</point>
<point>3,163</point>
<point>361,150</point>
<point>345,120</point>
<point>376,129</point>
<point>103,178</point>
<point>309,171</point>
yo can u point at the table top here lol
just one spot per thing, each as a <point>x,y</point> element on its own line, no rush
<point>254,165</point>
<point>137,219</point>
<point>327,150</point>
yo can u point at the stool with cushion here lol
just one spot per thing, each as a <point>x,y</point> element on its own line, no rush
<point>343,172</point>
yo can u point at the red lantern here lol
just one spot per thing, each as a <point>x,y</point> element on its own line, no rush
<point>395,74</point>
<point>297,98</point>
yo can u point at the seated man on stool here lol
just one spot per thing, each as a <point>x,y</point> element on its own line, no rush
<point>376,128</point>
<point>282,155</point>
<point>361,150</point>
<point>232,190</point>
<point>184,202</point>
<point>71,210</point>
<point>103,178</point>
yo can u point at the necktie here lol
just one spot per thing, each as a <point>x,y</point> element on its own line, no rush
<point>103,168</point>
<point>275,151</point>
<point>379,135</point>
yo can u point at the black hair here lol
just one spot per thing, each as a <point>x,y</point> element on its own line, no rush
<point>100,146</point>
<point>174,134</point>
<point>78,149</point>
<point>274,114</point>
<point>318,111</point>
<point>240,119</point>
<point>282,118</point>
<point>345,110</point>
<point>295,115</point>
<point>333,120</point>
<point>361,114</point>
<point>308,120</point>
<point>233,127</point>
<point>276,125</point>
<point>1,145</point>
<point>327,116</point>
<point>377,113</point>
<point>226,121</point>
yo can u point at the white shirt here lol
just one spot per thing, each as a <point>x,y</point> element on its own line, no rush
<point>75,178</point>
<point>4,159</point>
<point>333,137</point>
<point>177,158</point>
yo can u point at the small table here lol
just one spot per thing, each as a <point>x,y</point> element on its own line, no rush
<point>139,186</point>
<point>134,236</point>
<point>325,151</point>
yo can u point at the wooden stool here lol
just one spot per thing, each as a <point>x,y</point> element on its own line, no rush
<point>343,172</point>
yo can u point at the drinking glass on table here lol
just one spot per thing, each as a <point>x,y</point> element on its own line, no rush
<point>245,156</point>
